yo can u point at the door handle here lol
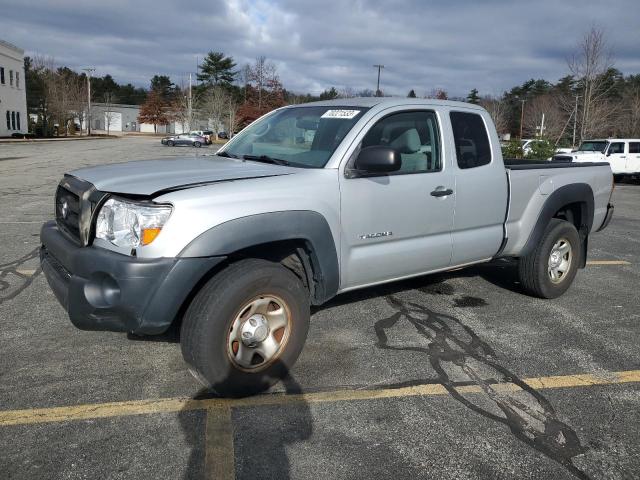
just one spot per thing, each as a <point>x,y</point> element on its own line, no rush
<point>441,192</point>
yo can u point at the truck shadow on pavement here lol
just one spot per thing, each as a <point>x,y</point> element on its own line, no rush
<point>261,434</point>
<point>14,279</point>
<point>460,359</point>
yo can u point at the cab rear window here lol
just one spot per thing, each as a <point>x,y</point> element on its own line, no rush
<point>471,140</point>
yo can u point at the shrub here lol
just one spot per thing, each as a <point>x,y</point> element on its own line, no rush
<point>541,150</point>
<point>513,149</point>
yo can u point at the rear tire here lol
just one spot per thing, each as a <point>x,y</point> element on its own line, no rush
<point>197,144</point>
<point>170,143</point>
<point>222,345</point>
<point>549,270</point>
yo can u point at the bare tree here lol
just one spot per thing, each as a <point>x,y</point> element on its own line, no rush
<point>588,65</point>
<point>214,104</point>
<point>498,110</point>
<point>264,77</point>
<point>555,119</point>
<point>109,115</point>
<point>232,116</point>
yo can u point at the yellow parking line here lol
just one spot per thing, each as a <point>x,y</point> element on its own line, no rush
<point>27,272</point>
<point>219,459</point>
<point>170,405</point>
<point>608,262</point>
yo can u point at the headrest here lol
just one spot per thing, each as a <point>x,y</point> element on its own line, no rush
<point>407,142</point>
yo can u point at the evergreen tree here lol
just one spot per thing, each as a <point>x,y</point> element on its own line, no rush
<point>329,94</point>
<point>473,96</point>
<point>217,69</point>
<point>412,94</point>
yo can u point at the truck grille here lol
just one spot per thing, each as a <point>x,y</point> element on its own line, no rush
<point>68,212</point>
<point>75,203</point>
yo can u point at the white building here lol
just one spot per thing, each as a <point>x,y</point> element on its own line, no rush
<point>13,98</point>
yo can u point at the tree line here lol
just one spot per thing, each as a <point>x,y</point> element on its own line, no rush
<point>594,99</point>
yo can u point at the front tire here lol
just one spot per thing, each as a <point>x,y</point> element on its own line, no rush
<point>170,143</point>
<point>197,144</point>
<point>246,327</point>
<point>549,270</point>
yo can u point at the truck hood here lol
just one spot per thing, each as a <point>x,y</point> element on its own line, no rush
<point>152,177</point>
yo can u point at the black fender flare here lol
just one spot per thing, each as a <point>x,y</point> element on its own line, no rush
<point>253,230</point>
<point>563,196</point>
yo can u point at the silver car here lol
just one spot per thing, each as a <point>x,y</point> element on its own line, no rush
<point>188,139</point>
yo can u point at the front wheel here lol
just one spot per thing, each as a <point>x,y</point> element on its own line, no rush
<point>197,144</point>
<point>246,327</point>
<point>170,143</point>
<point>549,270</point>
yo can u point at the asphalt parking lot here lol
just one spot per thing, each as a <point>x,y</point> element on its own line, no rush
<point>450,376</point>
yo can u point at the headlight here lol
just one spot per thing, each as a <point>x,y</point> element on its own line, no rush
<point>127,224</point>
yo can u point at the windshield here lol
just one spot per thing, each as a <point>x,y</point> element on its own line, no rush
<point>593,146</point>
<point>296,136</point>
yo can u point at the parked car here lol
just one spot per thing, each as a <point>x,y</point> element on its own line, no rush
<point>527,143</point>
<point>184,139</point>
<point>223,135</point>
<point>237,247</point>
<point>206,134</point>
<point>623,154</point>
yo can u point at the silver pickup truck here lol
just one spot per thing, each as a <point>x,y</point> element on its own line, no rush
<point>307,202</point>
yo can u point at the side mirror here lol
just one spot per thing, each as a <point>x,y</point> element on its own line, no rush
<point>378,159</point>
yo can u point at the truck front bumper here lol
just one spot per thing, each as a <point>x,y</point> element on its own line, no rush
<point>104,290</point>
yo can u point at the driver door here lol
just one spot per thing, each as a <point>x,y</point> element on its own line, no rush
<point>393,225</point>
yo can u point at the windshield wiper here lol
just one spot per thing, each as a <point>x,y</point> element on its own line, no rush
<point>225,154</point>
<point>266,159</point>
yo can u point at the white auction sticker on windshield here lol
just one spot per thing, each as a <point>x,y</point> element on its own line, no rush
<point>346,114</point>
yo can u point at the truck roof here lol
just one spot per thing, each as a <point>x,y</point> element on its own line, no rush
<point>386,101</point>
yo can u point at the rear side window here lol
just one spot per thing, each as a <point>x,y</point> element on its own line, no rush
<point>634,147</point>
<point>617,147</point>
<point>471,140</point>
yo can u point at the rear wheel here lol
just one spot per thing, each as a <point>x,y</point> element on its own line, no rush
<point>246,327</point>
<point>170,143</point>
<point>197,144</point>
<point>549,270</point>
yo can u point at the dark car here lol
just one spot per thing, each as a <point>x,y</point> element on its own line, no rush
<point>184,139</point>
<point>223,135</point>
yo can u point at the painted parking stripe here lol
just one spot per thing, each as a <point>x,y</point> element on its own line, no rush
<point>172,405</point>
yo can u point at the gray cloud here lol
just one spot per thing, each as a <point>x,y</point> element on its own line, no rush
<point>456,45</point>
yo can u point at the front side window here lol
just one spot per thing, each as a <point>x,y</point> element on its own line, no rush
<point>414,135</point>
<point>617,147</point>
<point>471,140</point>
<point>634,147</point>
<point>296,136</point>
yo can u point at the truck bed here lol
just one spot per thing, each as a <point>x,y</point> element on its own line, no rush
<point>532,182</point>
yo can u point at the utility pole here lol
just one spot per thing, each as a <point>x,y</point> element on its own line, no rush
<point>89,71</point>
<point>575,121</point>
<point>189,110</point>
<point>378,92</point>
<point>522,118</point>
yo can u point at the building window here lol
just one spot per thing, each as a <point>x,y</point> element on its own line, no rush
<point>11,78</point>
<point>18,82</point>
<point>13,120</point>
<point>18,119</point>
<point>2,75</point>
<point>8,120</point>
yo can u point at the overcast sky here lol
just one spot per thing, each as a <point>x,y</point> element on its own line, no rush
<point>456,45</point>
